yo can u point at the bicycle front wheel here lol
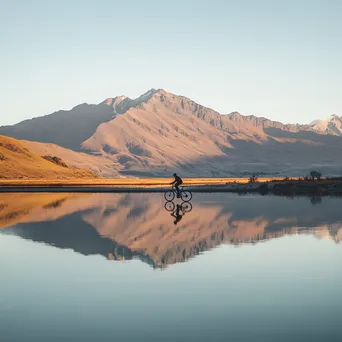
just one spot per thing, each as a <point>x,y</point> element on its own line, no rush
<point>186,196</point>
<point>169,195</point>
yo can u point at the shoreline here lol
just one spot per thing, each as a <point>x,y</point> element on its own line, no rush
<point>128,182</point>
<point>292,187</point>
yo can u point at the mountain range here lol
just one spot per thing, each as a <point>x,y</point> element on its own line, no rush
<point>160,133</point>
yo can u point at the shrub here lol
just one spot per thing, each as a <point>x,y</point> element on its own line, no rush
<point>315,174</point>
<point>253,179</point>
<point>56,160</point>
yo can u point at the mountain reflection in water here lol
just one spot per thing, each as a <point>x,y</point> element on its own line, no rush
<point>141,226</point>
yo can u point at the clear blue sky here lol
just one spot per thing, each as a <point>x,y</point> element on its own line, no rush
<point>278,59</point>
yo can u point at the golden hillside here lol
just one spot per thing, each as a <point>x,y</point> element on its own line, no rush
<point>17,160</point>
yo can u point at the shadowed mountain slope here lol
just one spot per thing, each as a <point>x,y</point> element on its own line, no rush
<point>64,128</point>
<point>69,128</point>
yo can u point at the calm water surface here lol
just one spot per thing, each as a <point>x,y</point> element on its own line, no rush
<point>99,267</point>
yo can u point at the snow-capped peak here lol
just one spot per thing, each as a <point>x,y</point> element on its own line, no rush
<point>122,103</point>
<point>332,125</point>
<point>313,123</point>
<point>334,117</point>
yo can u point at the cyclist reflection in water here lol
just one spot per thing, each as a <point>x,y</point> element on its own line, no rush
<point>178,181</point>
<point>177,214</point>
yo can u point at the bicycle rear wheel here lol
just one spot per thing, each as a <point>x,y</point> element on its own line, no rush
<point>169,195</point>
<point>169,206</point>
<point>186,195</point>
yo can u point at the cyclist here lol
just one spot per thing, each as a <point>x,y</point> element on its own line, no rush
<point>177,182</point>
<point>177,214</point>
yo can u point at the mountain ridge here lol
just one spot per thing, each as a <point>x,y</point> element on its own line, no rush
<point>159,133</point>
<point>148,94</point>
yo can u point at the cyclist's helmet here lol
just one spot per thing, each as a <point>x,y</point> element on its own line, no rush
<point>175,174</point>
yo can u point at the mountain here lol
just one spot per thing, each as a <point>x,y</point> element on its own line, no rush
<point>332,125</point>
<point>64,128</point>
<point>160,133</point>
<point>70,128</point>
<point>18,161</point>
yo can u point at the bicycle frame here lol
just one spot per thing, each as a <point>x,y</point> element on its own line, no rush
<point>181,188</point>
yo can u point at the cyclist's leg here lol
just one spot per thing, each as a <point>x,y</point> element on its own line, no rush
<point>177,189</point>
<point>180,190</point>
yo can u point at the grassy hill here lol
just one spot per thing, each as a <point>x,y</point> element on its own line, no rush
<point>17,160</point>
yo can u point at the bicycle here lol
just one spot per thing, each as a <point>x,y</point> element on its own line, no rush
<point>186,207</point>
<point>185,195</point>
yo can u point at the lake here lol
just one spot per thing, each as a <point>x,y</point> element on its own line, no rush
<point>131,267</point>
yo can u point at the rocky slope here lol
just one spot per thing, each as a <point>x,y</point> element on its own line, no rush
<point>17,160</point>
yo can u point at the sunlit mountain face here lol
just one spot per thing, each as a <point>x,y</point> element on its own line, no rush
<point>160,132</point>
<point>143,226</point>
